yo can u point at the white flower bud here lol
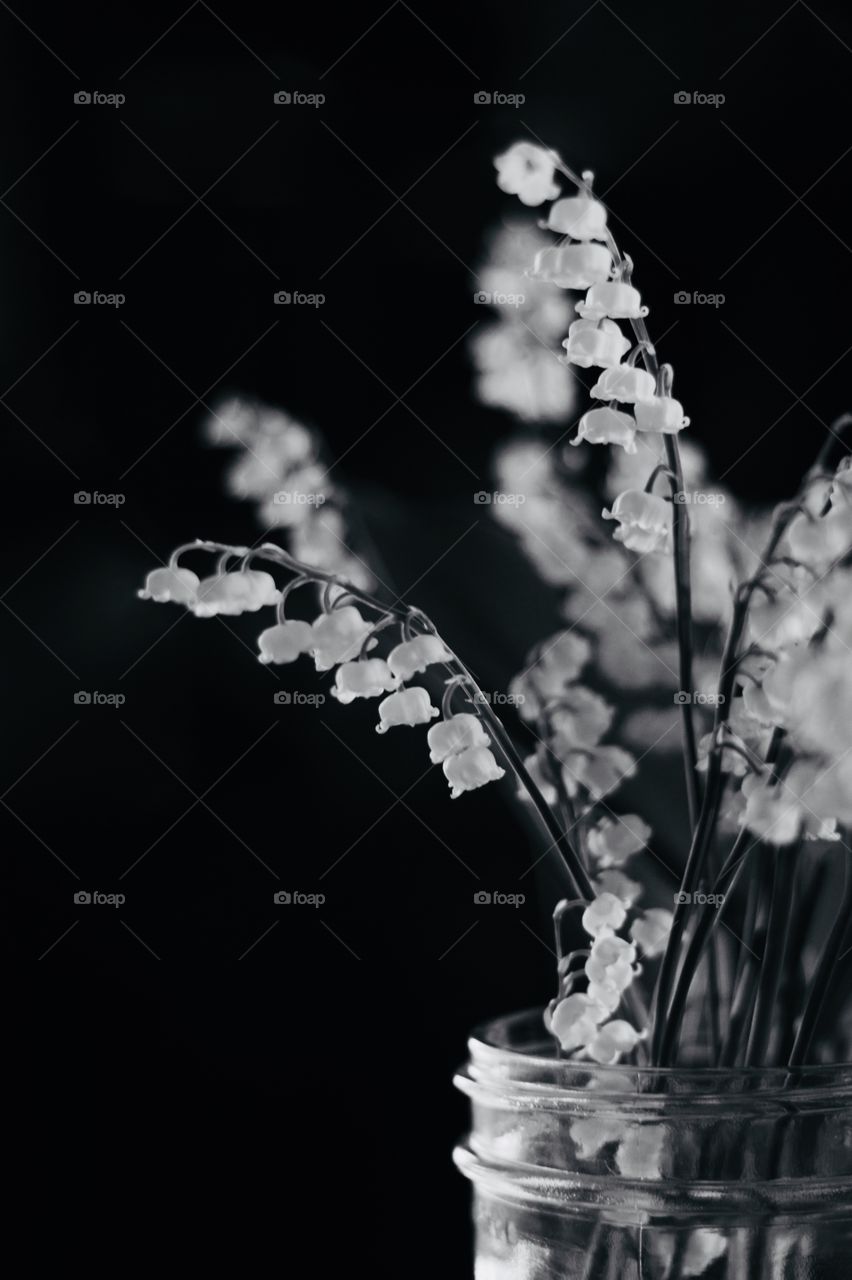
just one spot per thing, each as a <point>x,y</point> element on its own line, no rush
<point>366,678</point>
<point>408,706</point>
<point>413,656</point>
<point>178,585</point>
<point>285,642</point>
<point>595,342</point>
<point>604,912</point>
<point>607,426</point>
<point>578,217</point>
<point>471,769</point>
<point>625,383</point>
<point>526,171</point>
<point>455,734</point>
<point>660,414</point>
<point>612,298</point>
<point>338,636</point>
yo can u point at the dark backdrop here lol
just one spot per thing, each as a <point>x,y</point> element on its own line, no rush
<point>296,1064</point>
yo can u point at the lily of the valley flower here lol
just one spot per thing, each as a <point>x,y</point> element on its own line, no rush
<point>624,382</point>
<point>598,771</point>
<point>526,171</point>
<point>604,914</point>
<point>177,585</point>
<point>338,636</point>
<point>407,707</point>
<point>613,1040</point>
<point>470,769</point>
<point>595,342</point>
<point>661,414</point>
<point>366,678</point>
<point>644,520</point>
<point>234,593</point>
<point>607,426</point>
<point>575,1020</point>
<point>580,718</point>
<point>414,656</point>
<point>612,298</point>
<point>820,540</point>
<point>616,882</point>
<point>549,794</point>
<point>612,842</point>
<point>572,266</point>
<point>455,734</point>
<point>772,813</point>
<point>285,642</point>
<point>578,217</point>
<point>651,931</point>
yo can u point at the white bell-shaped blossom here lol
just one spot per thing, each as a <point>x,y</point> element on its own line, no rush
<point>572,266</point>
<point>606,994</point>
<point>613,1040</point>
<point>606,912</point>
<point>579,217</point>
<point>558,662</point>
<point>285,642</point>
<point>612,960</point>
<point>614,881</point>
<point>612,841</point>
<point>548,791</point>
<point>231,594</point>
<point>821,540</point>
<point>455,734</point>
<point>607,426</point>
<point>366,678</point>
<point>772,813</point>
<point>526,171</point>
<point>471,769</point>
<point>651,931</point>
<point>612,298</point>
<point>408,706</point>
<point>575,1020</point>
<point>338,636</point>
<point>661,414</point>
<point>414,656</point>
<point>177,585</point>
<point>598,771</point>
<point>579,719</point>
<point>624,382</point>
<point>595,342</point>
<point>644,521</point>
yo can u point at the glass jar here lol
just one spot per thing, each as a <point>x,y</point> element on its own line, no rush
<point>582,1172</point>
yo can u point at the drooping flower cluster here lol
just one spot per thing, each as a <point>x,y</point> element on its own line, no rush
<point>341,639</point>
<point>279,466</point>
<point>517,366</point>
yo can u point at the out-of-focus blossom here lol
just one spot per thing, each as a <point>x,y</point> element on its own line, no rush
<point>414,656</point>
<point>579,719</point>
<point>616,882</point>
<point>644,521</point>
<point>772,813</point>
<point>516,373</point>
<point>607,426</point>
<point>579,217</point>
<point>598,771</point>
<point>556,664</point>
<point>595,342</point>
<point>548,791</point>
<point>526,171</point>
<point>455,734</point>
<point>471,769</point>
<point>651,931</point>
<point>613,1040</point>
<point>285,642</point>
<point>612,298</point>
<point>572,266</point>
<point>407,707</point>
<point>611,842</point>
<point>177,585</point>
<point>366,678</point>
<point>574,1021</point>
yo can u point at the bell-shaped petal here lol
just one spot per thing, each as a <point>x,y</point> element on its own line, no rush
<point>526,171</point>
<point>604,912</point>
<point>366,678</point>
<point>660,414</point>
<point>572,266</point>
<point>625,383</point>
<point>338,636</point>
<point>595,342</point>
<point>612,842</point>
<point>578,217</point>
<point>471,769</point>
<point>575,1020</point>
<point>178,585</point>
<point>612,298</point>
<point>285,642</point>
<point>455,734</point>
<point>607,426</point>
<point>408,706</point>
<point>414,656</point>
<point>644,520</point>
<point>651,931</point>
<point>613,1040</point>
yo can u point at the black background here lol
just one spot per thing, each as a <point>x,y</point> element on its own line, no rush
<point>295,1067</point>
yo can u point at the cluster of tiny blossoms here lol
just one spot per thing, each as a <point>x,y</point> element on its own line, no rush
<point>341,639</point>
<point>796,677</point>
<point>279,467</point>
